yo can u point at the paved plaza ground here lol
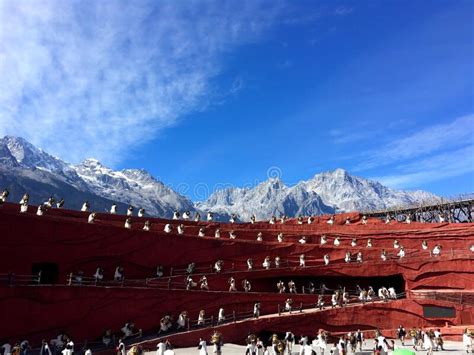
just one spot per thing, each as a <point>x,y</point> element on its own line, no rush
<point>451,348</point>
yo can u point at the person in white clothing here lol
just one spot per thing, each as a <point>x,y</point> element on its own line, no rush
<point>182,319</point>
<point>99,275</point>
<point>277,262</point>
<point>348,257</point>
<point>175,215</point>
<point>256,310</point>
<point>69,349</point>
<point>197,217</point>
<point>201,232</point>
<point>401,253</point>
<point>280,237</point>
<point>383,255</point>
<point>201,317</point>
<point>118,275</point>
<point>302,261</point>
<point>232,235</point>
<point>202,347</point>
<point>424,245</point>
<point>359,257</point>
<point>88,352</point>
<point>218,266</point>
<point>231,283</point>
<point>427,342</point>
<point>24,207</point>
<point>324,240</point>
<point>266,263</point>
<point>467,341</point>
<point>168,228</point>
<point>253,219</point>
<point>326,259</point>
<point>381,341</point>
<point>85,207</point>
<point>121,348</point>
<point>353,242</point>
<point>217,233</point>
<point>302,240</point>
<point>320,341</point>
<point>7,348</point>
<point>233,218</point>
<point>141,212</point>
<point>128,223</point>
<point>181,229</point>
<point>146,226</point>
<point>130,211</point>
<point>204,283</point>
<point>337,242</point>
<point>330,221</point>
<point>186,215</point>
<point>436,250</point>
<point>249,264</point>
<point>369,243</point>
<point>221,316</point>
<point>396,244</point>
<point>91,218</point>
<point>40,210</point>
<point>210,216</point>
<point>160,348</point>
<point>113,209</point>
<point>259,236</point>
<point>272,220</point>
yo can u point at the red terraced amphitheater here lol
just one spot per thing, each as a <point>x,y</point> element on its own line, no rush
<point>433,291</point>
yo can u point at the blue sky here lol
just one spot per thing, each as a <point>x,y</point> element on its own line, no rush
<point>204,94</point>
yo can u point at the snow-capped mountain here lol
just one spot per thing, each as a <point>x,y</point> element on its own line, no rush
<point>269,198</point>
<point>347,192</point>
<point>24,168</point>
<point>132,186</point>
<point>328,192</point>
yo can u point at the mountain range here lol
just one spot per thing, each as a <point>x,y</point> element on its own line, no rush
<point>26,168</point>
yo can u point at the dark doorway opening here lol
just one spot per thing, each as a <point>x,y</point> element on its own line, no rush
<point>49,272</point>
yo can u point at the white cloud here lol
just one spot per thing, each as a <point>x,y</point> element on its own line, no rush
<point>434,139</point>
<point>86,78</point>
<point>436,167</point>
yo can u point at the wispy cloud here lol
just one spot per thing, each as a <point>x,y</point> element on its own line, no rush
<point>432,154</point>
<point>434,168</point>
<point>86,78</point>
<point>433,139</point>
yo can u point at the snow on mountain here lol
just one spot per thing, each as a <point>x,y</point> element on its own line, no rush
<point>23,167</point>
<point>328,192</point>
<point>271,197</point>
<point>136,187</point>
<point>346,192</point>
<point>132,186</point>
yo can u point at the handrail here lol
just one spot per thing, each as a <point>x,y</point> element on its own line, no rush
<point>169,282</point>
